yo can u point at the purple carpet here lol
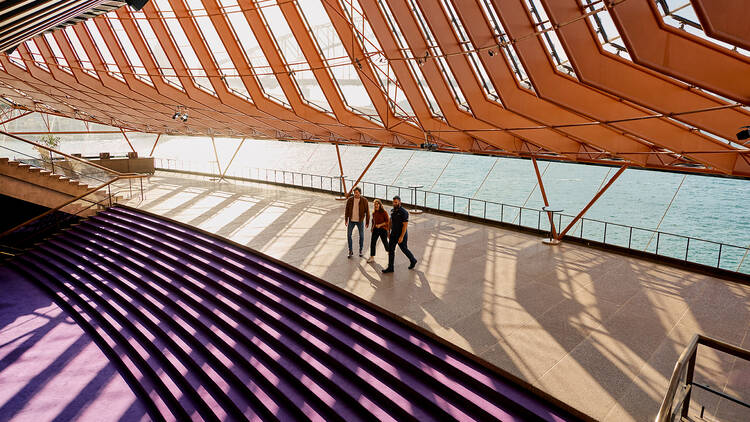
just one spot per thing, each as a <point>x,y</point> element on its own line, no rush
<point>203,329</point>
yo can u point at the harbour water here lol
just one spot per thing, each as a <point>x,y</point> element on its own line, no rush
<point>702,207</point>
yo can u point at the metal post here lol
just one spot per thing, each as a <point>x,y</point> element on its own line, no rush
<point>688,382</point>
<point>151,154</point>
<point>363,171</point>
<point>687,249</point>
<point>593,200</point>
<point>553,232</point>
<point>126,139</point>
<point>605,232</point>
<point>501,212</point>
<point>231,159</point>
<point>630,236</point>
<point>438,200</point>
<point>658,235</point>
<point>718,263</point>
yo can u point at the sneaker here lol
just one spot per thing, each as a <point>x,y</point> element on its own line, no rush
<point>371,259</point>
<point>350,254</point>
<point>411,267</point>
<point>387,270</point>
<point>360,254</point>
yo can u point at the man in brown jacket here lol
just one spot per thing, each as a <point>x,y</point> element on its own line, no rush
<point>357,212</point>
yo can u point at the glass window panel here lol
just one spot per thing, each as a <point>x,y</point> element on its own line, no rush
<point>157,52</point>
<point>508,50</point>
<point>254,54</point>
<point>337,59</point>
<point>139,70</point>
<point>15,57</point>
<point>292,53</point>
<point>36,54</point>
<point>551,41</point>
<point>369,43</point>
<point>221,58</point>
<point>59,58</point>
<point>468,47</point>
<point>605,29</point>
<point>438,54</point>
<point>416,71</point>
<point>680,14</point>
<point>80,53</point>
<point>183,45</point>
<point>103,50</point>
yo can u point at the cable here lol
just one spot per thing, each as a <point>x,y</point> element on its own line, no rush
<point>665,212</point>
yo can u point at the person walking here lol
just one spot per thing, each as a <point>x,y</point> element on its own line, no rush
<point>399,235</point>
<point>380,227</point>
<point>357,209</point>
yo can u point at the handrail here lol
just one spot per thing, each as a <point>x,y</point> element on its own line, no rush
<point>685,365</point>
<point>625,240</point>
<point>68,202</point>
<point>71,157</point>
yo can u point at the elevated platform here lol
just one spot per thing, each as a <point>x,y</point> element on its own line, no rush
<point>597,330</point>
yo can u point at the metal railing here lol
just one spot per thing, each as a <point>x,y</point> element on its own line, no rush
<point>664,244</point>
<point>681,385</point>
<point>73,168</point>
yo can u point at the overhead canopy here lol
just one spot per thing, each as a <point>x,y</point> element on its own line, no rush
<point>633,82</point>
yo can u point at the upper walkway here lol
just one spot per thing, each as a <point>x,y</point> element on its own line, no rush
<point>598,330</point>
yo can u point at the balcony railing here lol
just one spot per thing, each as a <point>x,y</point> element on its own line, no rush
<point>680,247</point>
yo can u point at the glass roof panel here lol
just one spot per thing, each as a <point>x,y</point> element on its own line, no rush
<point>292,54</point>
<point>182,42</point>
<point>15,58</point>
<point>158,54</point>
<point>253,53</point>
<point>680,14</point>
<point>59,58</point>
<point>36,54</point>
<point>80,53</point>
<point>139,71</point>
<point>508,50</point>
<point>337,59</point>
<point>468,47</point>
<point>369,43</point>
<point>416,71</point>
<point>215,45</point>
<point>103,50</point>
<point>605,29</point>
<point>435,50</point>
<point>554,48</point>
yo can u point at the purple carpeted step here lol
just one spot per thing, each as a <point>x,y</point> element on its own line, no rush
<point>449,385</point>
<point>263,312</point>
<point>207,329</point>
<point>375,356</point>
<point>148,346</point>
<point>119,257</point>
<point>170,334</point>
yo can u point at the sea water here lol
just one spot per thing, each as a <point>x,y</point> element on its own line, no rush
<point>715,209</point>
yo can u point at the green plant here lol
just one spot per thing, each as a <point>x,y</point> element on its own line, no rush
<point>50,141</point>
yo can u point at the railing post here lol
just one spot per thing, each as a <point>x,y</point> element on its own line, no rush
<point>109,191</point>
<point>539,220</point>
<point>582,228</point>
<point>718,263</point>
<point>689,381</point>
<point>687,249</point>
<point>485,209</point>
<point>605,233</point>
<point>501,212</point>
<point>630,236</point>
<point>438,200</point>
<point>658,235</point>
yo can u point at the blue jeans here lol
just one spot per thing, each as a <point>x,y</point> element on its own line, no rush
<point>361,226</point>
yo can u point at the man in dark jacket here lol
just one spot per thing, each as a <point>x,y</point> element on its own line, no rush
<point>357,211</point>
<point>399,236</point>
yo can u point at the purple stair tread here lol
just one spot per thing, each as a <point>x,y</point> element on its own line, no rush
<point>375,358</point>
<point>233,335</point>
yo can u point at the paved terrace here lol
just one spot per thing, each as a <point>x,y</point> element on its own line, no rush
<point>598,330</point>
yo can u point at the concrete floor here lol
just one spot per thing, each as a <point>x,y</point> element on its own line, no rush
<point>598,330</point>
